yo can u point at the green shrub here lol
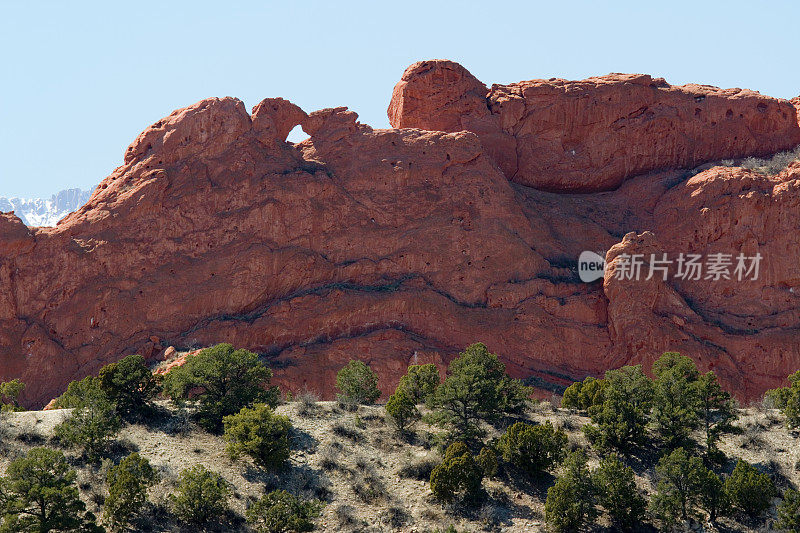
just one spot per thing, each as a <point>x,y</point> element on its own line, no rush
<point>77,392</point>
<point>617,493</point>
<point>402,408</point>
<point>9,395</point>
<point>584,394</point>
<point>675,398</point>
<point>679,485</point>
<point>91,426</point>
<point>792,407</point>
<point>749,490</point>
<point>127,490</point>
<point>358,383</point>
<point>716,409</point>
<point>38,494</point>
<point>570,503</point>
<point>477,389</point>
<point>282,512</point>
<point>222,380</point>
<point>129,384</point>
<point>533,449</point>
<point>420,382</point>
<point>259,433</point>
<point>487,460</point>
<point>789,512</point>
<point>622,418</point>
<point>714,498</point>
<point>457,474</point>
<point>778,398</point>
<point>201,496</point>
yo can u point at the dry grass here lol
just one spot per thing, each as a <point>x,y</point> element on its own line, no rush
<point>770,165</point>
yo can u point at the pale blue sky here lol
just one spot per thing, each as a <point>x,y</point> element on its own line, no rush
<point>81,79</point>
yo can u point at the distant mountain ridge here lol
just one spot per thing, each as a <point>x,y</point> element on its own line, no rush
<point>38,212</point>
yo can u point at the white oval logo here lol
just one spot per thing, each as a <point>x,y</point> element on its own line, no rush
<point>591,266</point>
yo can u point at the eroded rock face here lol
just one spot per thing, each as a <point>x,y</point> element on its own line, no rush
<point>591,135</point>
<point>394,247</point>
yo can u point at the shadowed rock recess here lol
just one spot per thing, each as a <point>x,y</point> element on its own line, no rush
<point>405,245</point>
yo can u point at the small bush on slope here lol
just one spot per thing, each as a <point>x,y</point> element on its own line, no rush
<point>402,409</point>
<point>457,474</point>
<point>127,490</point>
<point>259,433</point>
<point>201,496</point>
<point>358,383</point>
<point>91,426</point>
<point>282,512</point>
<point>533,449</point>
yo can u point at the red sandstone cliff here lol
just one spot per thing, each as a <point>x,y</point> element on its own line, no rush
<point>406,245</point>
<point>591,135</point>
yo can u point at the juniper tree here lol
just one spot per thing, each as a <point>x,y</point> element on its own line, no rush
<point>9,394</point>
<point>477,389</point>
<point>675,398</point>
<point>617,493</point>
<point>91,425</point>
<point>571,501</point>
<point>717,410</point>
<point>358,383</point>
<point>622,417</point>
<point>38,494</point>
<point>259,433</point>
<point>222,380</point>
<point>130,384</point>
<point>127,490</point>
<point>420,382</point>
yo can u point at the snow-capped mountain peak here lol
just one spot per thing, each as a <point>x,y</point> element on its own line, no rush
<point>40,212</point>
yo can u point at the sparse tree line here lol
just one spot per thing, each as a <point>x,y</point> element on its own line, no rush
<point>679,412</point>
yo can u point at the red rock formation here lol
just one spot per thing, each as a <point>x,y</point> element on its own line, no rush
<point>395,246</point>
<point>591,135</point>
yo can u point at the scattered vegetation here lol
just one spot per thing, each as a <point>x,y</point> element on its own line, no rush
<point>771,165</point>
<point>652,456</point>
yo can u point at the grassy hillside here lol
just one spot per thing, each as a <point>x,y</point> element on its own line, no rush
<point>370,477</point>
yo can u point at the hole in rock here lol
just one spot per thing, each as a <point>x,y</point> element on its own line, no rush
<point>297,135</point>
